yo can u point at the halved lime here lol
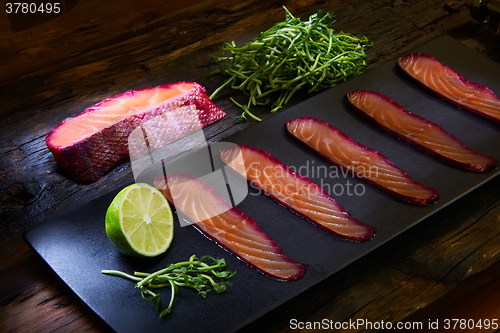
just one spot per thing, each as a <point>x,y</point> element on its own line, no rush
<point>139,221</point>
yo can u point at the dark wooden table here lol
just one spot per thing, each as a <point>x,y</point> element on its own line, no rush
<point>446,267</point>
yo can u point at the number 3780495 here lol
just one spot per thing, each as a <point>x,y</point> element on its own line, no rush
<point>470,324</point>
<point>25,8</point>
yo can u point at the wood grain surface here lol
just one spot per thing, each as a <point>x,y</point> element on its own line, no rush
<point>100,49</point>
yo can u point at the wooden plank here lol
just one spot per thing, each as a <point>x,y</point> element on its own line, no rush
<point>89,26</point>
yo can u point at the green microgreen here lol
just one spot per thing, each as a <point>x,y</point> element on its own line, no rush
<point>194,273</point>
<point>292,54</point>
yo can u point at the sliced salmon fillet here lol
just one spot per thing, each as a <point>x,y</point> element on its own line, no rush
<point>227,225</point>
<point>418,131</point>
<point>92,143</point>
<point>451,85</point>
<point>358,159</point>
<point>298,193</point>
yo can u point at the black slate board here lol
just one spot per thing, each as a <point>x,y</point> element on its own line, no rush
<point>76,247</point>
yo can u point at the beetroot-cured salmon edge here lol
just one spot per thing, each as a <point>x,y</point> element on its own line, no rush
<point>81,171</point>
<point>462,78</point>
<point>422,202</point>
<point>481,168</point>
<point>301,270</point>
<point>370,232</point>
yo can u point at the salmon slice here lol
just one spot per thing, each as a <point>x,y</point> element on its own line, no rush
<point>92,143</point>
<point>361,161</point>
<point>451,85</point>
<point>298,193</point>
<point>227,225</point>
<point>418,131</point>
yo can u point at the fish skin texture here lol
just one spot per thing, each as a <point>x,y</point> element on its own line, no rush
<point>363,162</point>
<point>451,85</point>
<point>418,131</point>
<point>296,192</point>
<point>87,159</point>
<point>228,226</point>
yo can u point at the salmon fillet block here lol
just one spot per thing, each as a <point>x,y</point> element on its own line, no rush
<point>91,144</point>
